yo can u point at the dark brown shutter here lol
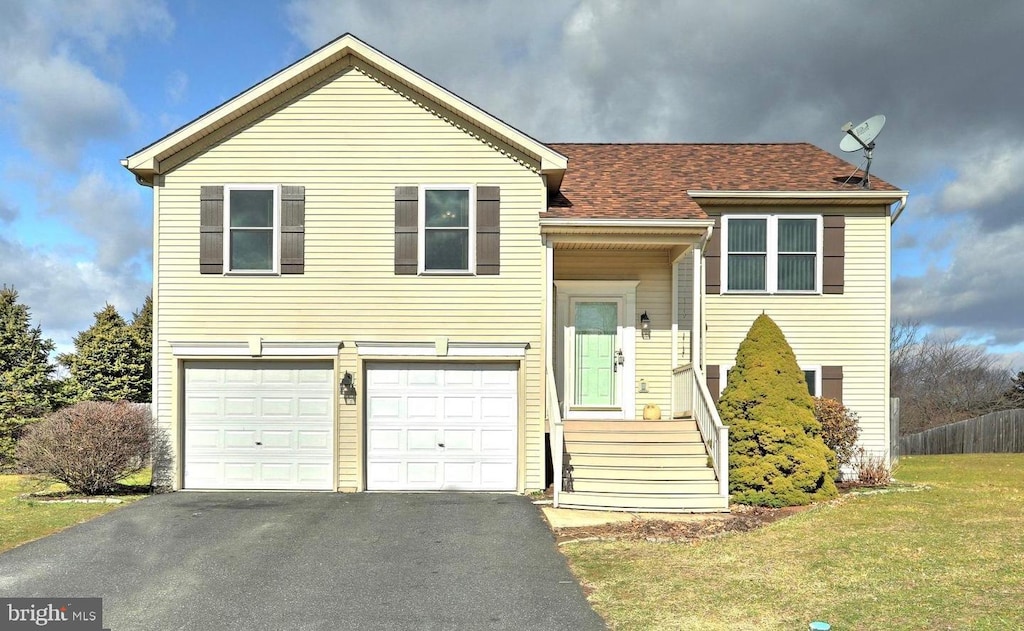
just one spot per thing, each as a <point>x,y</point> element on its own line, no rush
<point>406,230</point>
<point>211,230</point>
<point>832,382</point>
<point>293,229</point>
<point>713,262</point>
<point>834,254</point>
<point>488,221</point>
<point>713,381</point>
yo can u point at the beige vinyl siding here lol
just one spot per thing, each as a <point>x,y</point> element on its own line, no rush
<point>684,297</point>
<point>350,141</point>
<point>849,330</point>
<point>653,295</point>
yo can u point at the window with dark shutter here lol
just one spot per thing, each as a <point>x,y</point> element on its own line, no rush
<point>293,229</point>
<point>247,228</point>
<point>488,233</point>
<point>406,230</point>
<point>211,230</point>
<point>712,378</point>
<point>834,250</point>
<point>832,382</point>
<point>713,260</point>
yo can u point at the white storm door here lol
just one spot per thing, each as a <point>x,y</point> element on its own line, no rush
<point>597,346</point>
<point>442,426</point>
<point>259,425</point>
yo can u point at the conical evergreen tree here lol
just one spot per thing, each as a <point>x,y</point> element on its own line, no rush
<point>26,384</point>
<point>776,455</point>
<point>142,328</point>
<point>107,364</point>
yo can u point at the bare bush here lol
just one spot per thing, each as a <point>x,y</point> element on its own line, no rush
<point>871,470</point>
<point>839,429</point>
<point>941,379</point>
<point>89,446</point>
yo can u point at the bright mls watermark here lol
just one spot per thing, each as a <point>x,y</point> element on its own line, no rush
<point>63,614</point>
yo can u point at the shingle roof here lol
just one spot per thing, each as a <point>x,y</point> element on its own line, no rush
<point>639,181</point>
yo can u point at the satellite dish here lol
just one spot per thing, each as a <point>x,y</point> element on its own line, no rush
<point>862,136</point>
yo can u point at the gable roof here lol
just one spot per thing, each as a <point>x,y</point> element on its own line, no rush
<point>146,162</point>
<point>663,181</point>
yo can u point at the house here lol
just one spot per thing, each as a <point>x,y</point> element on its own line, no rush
<point>364,282</point>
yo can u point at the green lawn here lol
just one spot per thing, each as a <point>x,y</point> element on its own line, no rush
<point>945,551</point>
<point>23,520</point>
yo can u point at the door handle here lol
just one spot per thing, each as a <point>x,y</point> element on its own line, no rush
<point>440,445</point>
<point>620,360</point>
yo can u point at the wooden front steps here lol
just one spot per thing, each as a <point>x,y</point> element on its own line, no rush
<point>657,466</point>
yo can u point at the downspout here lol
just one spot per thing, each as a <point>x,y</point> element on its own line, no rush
<point>899,210</point>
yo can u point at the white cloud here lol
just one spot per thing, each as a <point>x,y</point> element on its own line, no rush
<point>51,56</point>
<point>62,293</point>
<point>62,105</point>
<point>987,177</point>
<point>982,290</point>
<point>8,212</point>
<point>114,216</point>
<point>176,85</point>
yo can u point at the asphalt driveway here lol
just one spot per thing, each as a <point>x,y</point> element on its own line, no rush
<point>279,561</point>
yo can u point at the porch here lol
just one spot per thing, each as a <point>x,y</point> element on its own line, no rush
<point>625,308</point>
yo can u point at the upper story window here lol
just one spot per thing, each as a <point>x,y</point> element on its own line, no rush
<point>448,229</point>
<point>772,253</point>
<point>253,221</point>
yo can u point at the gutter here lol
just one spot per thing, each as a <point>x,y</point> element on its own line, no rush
<point>626,223</point>
<point>797,194</point>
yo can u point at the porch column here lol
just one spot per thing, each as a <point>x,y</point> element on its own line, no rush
<point>696,337</point>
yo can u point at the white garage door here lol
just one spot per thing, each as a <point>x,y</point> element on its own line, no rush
<point>442,427</point>
<point>259,425</point>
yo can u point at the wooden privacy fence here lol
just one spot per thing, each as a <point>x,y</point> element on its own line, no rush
<point>994,432</point>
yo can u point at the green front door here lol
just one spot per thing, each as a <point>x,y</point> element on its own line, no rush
<point>596,325</point>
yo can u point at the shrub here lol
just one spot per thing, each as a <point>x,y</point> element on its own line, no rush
<point>839,429</point>
<point>776,455</point>
<point>89,446</point>
<point>871,469</point>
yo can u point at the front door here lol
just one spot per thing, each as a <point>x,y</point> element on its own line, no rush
<point>597,348</point>
<point>596,342</point>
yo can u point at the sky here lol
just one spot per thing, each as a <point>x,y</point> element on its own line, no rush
<point>85,83</point>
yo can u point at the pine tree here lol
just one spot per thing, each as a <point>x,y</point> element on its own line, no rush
<point>776,454</point>
<point>108,364</point>
<point>142,328</point>
<point>26,384</point>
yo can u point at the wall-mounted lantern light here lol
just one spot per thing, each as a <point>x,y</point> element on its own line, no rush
<point>645,326</point>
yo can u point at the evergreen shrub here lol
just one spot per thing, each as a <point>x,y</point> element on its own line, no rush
<point>776,454</point>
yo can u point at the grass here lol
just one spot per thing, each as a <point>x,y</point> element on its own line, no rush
<point>943,551</point>
<point>24,519</point>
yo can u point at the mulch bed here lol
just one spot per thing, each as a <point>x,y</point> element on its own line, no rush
<point>741,519</point>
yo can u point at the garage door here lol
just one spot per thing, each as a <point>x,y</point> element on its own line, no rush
<point>442,427</point>
<point>259,425</point>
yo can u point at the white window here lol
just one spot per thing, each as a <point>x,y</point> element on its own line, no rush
<point>252,220</point>
<point>447,234</point>
<point>771,253</point>
<point>812,375</point>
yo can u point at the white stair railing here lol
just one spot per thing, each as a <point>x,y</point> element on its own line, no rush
<point>691,396</point>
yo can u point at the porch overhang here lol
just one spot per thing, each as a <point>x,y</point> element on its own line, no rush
<point>624,234</point>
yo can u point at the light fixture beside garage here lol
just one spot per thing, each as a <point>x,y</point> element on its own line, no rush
<point>645,326</point>
<point>347,388</point>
